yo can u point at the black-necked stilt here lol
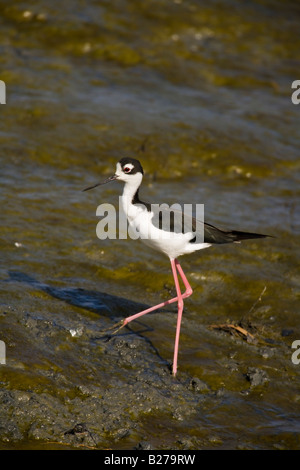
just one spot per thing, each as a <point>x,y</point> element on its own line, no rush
<point>142,217</point>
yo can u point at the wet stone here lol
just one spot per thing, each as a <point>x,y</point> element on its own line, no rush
<point>10,432</point>
<point>197,385</point>
<point>287,332</point>
<point>256,376</point>
<point>144,445</point>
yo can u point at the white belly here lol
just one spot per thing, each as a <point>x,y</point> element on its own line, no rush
<point>170,243</point>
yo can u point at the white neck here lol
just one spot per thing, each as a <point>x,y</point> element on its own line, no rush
<point>130,188</point>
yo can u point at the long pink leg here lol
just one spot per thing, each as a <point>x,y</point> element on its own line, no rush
<point>175,265</point>
<point>189,290</point>
<point>187,293</point>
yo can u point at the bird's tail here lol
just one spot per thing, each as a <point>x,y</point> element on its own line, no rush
<point>235,236</point>
<point>215,235</point>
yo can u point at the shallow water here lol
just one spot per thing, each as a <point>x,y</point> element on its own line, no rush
<point>201,94</point>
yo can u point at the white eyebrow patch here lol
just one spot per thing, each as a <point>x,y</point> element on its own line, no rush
<point>129,165</point>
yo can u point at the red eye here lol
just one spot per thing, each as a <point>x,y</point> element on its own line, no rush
<point>126,169</point>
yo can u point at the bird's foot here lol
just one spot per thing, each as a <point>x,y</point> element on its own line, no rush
<point>112,330</point>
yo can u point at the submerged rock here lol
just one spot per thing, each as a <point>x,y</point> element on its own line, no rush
<point>256,376</point>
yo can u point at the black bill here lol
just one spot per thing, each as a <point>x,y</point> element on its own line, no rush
<point>111,178</point>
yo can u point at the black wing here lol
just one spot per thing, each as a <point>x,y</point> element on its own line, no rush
<point>179,222</point>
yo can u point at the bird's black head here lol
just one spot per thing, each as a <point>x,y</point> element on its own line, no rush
<point>131,166</point>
